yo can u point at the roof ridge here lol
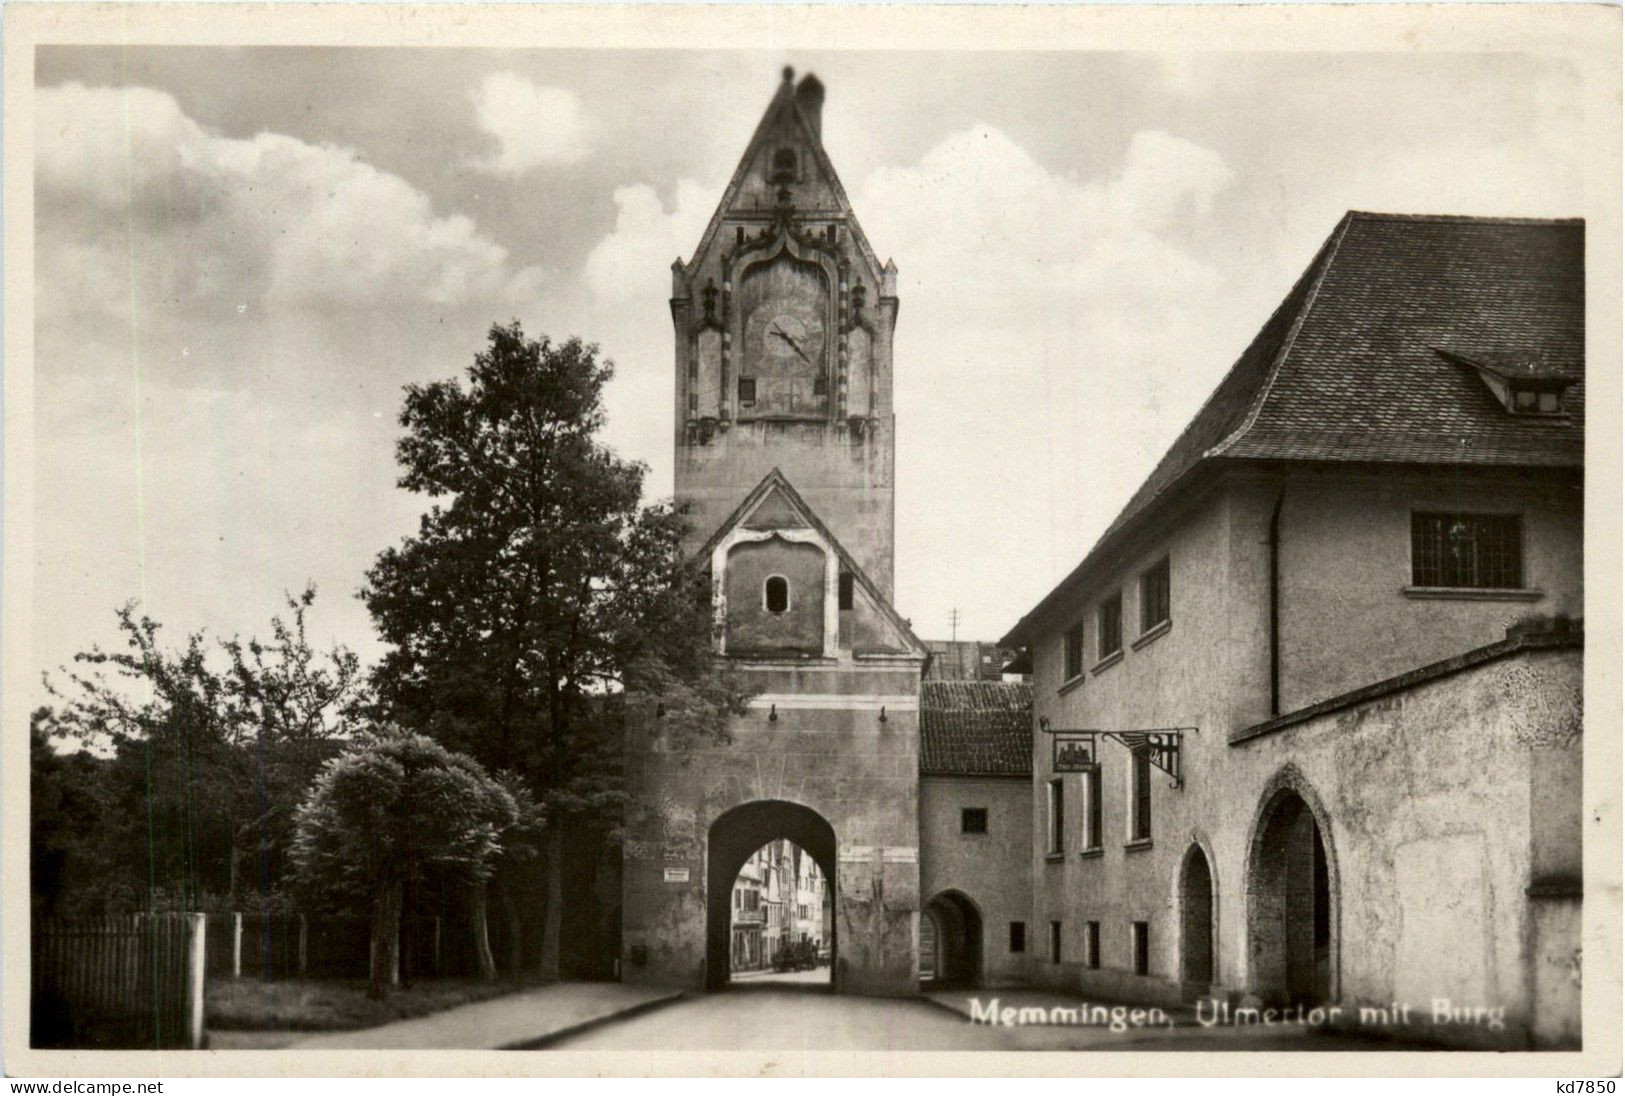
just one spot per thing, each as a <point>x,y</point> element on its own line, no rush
<point>1461,218</point>
<point>1324,260</point>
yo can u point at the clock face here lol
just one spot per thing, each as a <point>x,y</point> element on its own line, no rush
<point>785,341</point>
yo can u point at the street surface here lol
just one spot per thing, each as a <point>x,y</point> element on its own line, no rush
<point>756,1014</point>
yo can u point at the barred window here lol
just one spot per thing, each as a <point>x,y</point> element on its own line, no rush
<point>1483,551</point>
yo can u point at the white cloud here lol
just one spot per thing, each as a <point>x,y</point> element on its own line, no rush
<point>223,326</point>
<point>634,260</point>
<point>534,125</point>
<point>142,207</point>
<point>1052,326</point>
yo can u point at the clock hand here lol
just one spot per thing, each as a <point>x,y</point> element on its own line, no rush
<point>793,345</point>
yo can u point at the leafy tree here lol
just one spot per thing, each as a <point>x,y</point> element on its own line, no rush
<point>210,747</point>
<point>73,866</point>
<point>539,591</point>
<point>392,809</point>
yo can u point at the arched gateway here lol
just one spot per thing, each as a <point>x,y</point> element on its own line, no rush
<point>783,319</point>
<point>733,837</point>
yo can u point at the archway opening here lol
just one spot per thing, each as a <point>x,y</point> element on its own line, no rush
<point>1290,905</point>
<point>951,941</point>
<point>770,897</point>
<point>1196,921</point>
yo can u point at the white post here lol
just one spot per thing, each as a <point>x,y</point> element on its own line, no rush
<point>194,980</point>
<point>237,945</point>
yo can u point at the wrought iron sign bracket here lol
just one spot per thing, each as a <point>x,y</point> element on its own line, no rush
<point>1074,750</point>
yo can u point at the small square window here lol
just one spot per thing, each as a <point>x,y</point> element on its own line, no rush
<point>1550,402</point>
<point>973,820</point>
<point>1110,619</point>
<point>1018,937</point>
<point>1525,399</point>
<point>1091,945</point>
<point>747,390</point>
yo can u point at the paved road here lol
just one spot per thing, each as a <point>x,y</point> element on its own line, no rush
<point>759,1015</point>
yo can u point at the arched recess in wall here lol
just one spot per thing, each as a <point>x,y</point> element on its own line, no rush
<point>956,958</point>
<point>1292,896</point>
<point>1197,896</point>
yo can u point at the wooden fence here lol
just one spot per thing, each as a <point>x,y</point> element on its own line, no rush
<point>124,981</point>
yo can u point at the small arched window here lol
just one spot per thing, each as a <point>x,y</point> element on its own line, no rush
<point>776,594</point>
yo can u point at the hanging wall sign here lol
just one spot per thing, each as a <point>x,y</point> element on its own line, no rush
<point>1073,752</point>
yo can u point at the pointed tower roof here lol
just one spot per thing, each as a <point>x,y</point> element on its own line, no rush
<point>799,108</point>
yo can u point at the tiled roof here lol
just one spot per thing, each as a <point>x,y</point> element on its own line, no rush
<point>1349,369</point>
<point>976,728</point>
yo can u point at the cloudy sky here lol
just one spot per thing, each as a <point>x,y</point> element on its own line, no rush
<point>244,254</point>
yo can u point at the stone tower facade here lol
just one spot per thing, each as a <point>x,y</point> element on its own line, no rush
<point>783,320</point>
<point>783,325</point>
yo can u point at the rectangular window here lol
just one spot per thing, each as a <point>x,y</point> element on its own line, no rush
<point>1091,808</point>
<point>1091,945</point>
<point>973,820</point>
<point>1140,794</point>
<point>1055,941</point>
<point>1110,620</point>
<point>1154,606</point>
<point>820,385</point>
<point>844,591</point>
<point>1057,816</point>
<point>1467,551</point>
<point>1142,947</point>
<point>747,390</point>
<point>1018,937</point>
<point>1074,652</point>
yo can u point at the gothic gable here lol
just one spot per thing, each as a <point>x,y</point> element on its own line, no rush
<point>784,587</point>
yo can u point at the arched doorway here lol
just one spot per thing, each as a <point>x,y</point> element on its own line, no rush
<point>1196,920</point>
<point>955,955</point>
<point>732,839</point>
<point>1291,903</point>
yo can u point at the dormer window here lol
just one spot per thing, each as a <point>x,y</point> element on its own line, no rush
<point>776,594</point>
<point>1525,384</point>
